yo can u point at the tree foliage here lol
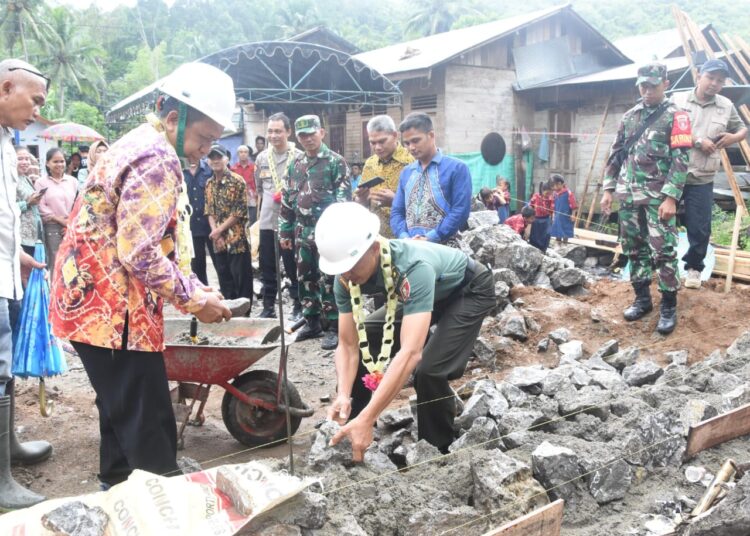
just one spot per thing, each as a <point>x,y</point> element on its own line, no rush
<point>99,57</point>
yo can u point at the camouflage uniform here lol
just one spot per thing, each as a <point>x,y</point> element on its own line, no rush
<point>655,168</point>
<point>314,184</point>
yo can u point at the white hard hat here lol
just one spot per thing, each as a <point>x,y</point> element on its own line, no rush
<point>343,234</point>
<point>204,88</point>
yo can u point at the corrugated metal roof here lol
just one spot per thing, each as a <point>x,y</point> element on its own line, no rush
<point>624,72</point>
<point>655,45</point>
<point>426,52</point>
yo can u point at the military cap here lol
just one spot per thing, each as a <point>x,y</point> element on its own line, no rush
<point>713,66</point>
<point>652,73</point>
<point>307,124</point>
<point>217,149</point>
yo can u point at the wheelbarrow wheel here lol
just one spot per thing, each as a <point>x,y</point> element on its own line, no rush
<point>254,426</point>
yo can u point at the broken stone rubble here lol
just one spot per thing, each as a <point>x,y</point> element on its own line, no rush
<point>618,436</point>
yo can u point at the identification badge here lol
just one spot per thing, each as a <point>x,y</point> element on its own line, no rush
<point>681,136</point>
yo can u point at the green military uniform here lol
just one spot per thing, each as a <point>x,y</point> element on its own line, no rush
<point>459,292</point>
<point>314,184</point>
<point>655,168</point>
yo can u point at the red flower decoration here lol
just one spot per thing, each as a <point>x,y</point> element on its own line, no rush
<point>277,197</point>
<point>372,380</point>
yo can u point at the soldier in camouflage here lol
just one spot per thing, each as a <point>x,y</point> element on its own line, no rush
<point>317,179</point>
<point>647,179</point>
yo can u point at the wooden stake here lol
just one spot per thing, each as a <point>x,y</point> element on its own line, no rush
<point>733,249</point>
<point>592,206</point>
<point>593,161</point>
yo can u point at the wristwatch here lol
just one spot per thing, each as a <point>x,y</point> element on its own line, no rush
<point>697,143</point>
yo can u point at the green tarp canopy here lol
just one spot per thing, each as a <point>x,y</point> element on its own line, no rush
<point>483,174</point>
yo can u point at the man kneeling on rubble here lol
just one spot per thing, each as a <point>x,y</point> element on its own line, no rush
<point>425,284</point>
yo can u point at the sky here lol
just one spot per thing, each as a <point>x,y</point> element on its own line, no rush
<point>105,5</point>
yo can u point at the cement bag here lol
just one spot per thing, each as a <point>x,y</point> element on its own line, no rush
<point>185,505</point>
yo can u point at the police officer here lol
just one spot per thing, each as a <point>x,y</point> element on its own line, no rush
<point>716,125</point>
<point>317,179</point>
<point>425,284</point>
<point>646,170</point>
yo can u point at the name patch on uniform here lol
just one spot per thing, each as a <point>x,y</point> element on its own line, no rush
<point>405,289</point>
<point>682,136</point>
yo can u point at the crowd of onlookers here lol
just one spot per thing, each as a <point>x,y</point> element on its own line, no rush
<point>46,192</point>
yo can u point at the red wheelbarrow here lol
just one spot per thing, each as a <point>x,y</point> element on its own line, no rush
<point>252,409</point>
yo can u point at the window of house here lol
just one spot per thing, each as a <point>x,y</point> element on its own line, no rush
<point>562,141</point>
<point>424,102</point>
<point>336,139</point>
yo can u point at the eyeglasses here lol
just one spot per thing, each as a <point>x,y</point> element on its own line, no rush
<point>34,73</point>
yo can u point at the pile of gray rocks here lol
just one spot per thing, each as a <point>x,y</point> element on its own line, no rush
<point>596,430</point>
<point>514,262</point>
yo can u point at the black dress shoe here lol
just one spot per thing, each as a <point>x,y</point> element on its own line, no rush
<point>267,312</point>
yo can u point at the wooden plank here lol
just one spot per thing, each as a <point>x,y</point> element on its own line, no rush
<point>732,180</point>
<point>592,207</point>
<point>593,235</point>
<point>733,249</point>
<point>544,521</point>
<point>717,430</point>
<point>728,56</point>
<point>736,275</point>
<point>722,250</point>
<point>738,53</point>
<point>592,244</point>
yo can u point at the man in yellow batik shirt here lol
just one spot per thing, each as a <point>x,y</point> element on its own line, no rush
<point>388,159</point>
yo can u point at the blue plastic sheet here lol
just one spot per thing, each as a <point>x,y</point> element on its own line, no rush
<point>36,352</point>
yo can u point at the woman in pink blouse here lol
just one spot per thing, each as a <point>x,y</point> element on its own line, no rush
<point>59,192</point>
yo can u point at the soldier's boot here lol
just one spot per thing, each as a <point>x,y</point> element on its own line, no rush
<point>330,337</point>
<point>29,452</point>
<point>296,311</point>
<point>269,310</point>
<point>667,313</point>
<point>311,330</point>
<point>642,305</point>
<point>13,496</point>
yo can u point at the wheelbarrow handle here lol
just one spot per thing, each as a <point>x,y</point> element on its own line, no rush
<point>296,412</point>
<point>294,327</point>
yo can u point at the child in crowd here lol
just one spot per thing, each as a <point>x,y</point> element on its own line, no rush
<point>543,205</point>
<point>520,223</point>
<point>503,190</point>
<point>490,199</point>
<point>565,204</point>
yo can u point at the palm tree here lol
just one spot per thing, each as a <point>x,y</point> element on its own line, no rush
<point>71,60</point>
<point>434,16</point>
<point>18,18</point>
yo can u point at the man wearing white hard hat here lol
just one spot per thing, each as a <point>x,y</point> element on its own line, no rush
<point>126,250</point>
<point>425,284</point>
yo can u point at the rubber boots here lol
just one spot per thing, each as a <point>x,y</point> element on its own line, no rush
<point>311,330</point>
<point>642,304</point>
<point>667,313</point>
<point>12,495</point>
<point>30,452</point>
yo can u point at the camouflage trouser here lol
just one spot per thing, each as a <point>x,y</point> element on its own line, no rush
<point>315,288</point>
<point>649,243</point>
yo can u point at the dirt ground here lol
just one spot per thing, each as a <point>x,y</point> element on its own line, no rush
<point>708,320</point>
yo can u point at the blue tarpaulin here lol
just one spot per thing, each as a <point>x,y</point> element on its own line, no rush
<point>36,352</point>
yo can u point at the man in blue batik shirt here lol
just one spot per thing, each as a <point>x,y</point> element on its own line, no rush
<point>433,199</point>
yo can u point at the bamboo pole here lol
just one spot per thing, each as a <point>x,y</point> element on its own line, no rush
<point>593,161</point>
<point>733,250</point>
<point>738,54</point>
<point>592,207</point>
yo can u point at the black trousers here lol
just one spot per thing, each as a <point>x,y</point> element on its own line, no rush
<point>198,263</point>
<point>240,268</point>
<point>267,262</point>
<point>136,423</point>
<point>698,200</point>
<point>458,319</point>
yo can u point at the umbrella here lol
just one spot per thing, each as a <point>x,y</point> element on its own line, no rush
<point>36,352</point>
<point>70,132</point>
